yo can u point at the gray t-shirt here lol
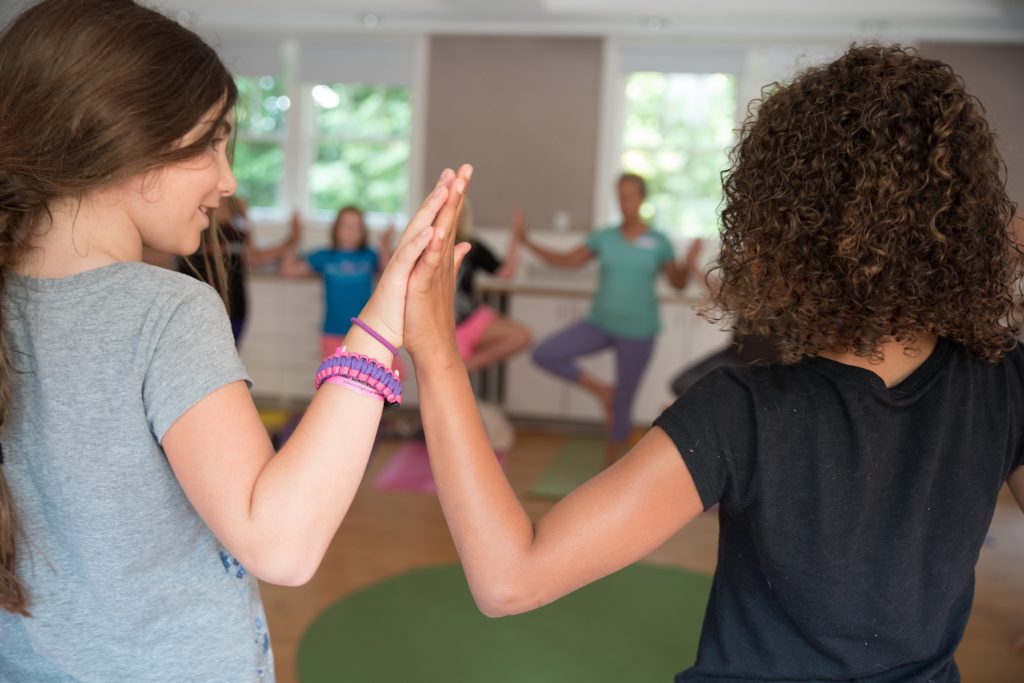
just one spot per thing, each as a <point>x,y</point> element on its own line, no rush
<point>126,582</point>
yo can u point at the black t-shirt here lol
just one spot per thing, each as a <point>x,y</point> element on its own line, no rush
<point>478,258</point>
<point>852,515</point>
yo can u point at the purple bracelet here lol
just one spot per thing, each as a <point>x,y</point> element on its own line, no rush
<point>367,372</point>
<point>373,333</point>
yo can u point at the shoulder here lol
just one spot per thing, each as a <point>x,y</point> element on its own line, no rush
<point>169,284</point>
<point>175,290</point>
<point>661,237</point>
<point>602,235</point>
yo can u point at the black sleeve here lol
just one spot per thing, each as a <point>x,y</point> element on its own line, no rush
<point>483,257</point>
<point>1015,358</point>
<point>713,427</point>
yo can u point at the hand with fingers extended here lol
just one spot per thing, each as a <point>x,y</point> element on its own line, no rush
<point>295,230</point>
<point>519,225</point>
<point>385,311</point>
<point>430,305</point>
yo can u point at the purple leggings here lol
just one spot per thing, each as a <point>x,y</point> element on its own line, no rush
<point>558,353</point>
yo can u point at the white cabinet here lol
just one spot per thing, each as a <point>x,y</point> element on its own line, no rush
<point>281,345</point>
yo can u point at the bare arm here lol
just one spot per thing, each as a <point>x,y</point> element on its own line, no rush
<point>679,274</point>
<point>562,259</point>
<point>511,564</point>
<point>292,263</point>
<point>257,257</point>
<point>386,247</point>
<point>611,521</point>
<point>568,259</point>
<point>510,264</point>
<point>277,513</point>
<point>1016,483</point>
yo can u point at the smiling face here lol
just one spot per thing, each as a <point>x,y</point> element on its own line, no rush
<point>171,206</point>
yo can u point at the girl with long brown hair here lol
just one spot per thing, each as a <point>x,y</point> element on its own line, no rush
<point>140,497</point>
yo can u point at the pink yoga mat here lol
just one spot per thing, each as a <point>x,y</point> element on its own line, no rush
<point>409,469</point>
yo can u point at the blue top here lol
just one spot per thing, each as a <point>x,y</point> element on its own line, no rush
<point>348,283</point>
<point>625,303</point>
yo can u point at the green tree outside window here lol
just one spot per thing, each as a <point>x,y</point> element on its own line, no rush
<point>362,147</point>
<point>261,119</point>
<point>678,130</point>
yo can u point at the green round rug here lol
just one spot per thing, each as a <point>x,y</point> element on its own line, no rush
<point>639,624</point>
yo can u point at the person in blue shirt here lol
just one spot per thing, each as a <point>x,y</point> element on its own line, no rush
<point>348,268</point>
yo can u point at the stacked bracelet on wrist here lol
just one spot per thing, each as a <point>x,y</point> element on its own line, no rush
<point>362,373</point>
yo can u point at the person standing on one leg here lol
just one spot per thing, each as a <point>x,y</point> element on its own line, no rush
<point>624,315</point>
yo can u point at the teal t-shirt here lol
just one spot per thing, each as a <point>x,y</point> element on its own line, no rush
<point>625,303</point>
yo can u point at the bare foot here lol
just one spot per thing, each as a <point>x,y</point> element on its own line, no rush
<point>604,393</point>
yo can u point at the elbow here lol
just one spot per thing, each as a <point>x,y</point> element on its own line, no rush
<point>504,598</point>
<point>282,568</point>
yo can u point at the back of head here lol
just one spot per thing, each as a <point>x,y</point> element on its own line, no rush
<point>92,92</point>
<point>866,202</point>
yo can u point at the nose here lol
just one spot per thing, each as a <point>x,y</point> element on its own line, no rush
<point>227,183</point>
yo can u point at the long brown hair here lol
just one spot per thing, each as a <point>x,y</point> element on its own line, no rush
<point>335,242</point>
<point>92,92</point>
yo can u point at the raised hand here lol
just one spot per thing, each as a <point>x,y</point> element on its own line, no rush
<point>430,306</point>
<point>387,239</point>
<point>519,225</point>
<point>294,231</point>
<point>693,253</point>
<point>385,311</point>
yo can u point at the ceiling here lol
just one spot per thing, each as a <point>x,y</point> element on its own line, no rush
<point>997,21</point>
<point>971,20</point>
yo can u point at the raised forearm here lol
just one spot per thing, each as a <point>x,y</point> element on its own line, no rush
<point>552,256</point>
<point>679,275</point>
<point>491,530</point>
<point>510,265</point>
<point>303,493</point>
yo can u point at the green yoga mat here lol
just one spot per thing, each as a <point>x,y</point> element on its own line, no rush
<point>578,460</point>
<point>640,624</point>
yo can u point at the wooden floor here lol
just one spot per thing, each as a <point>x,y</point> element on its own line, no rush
<point>389,533</point>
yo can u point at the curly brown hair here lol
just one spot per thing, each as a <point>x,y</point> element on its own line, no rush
<point>866,202</point>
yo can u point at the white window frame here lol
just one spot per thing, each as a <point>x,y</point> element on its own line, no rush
<point>300,137</point>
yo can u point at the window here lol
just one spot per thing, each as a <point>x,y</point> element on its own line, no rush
<point>361,146</point>
<point>261,120</point>
<point>678,130</point>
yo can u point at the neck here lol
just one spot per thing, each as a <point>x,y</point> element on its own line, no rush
<point>78,236</point>
<point>898,359</point>
<point>633,224</point>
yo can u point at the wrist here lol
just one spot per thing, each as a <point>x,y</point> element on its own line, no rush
<point>440,357</point>
<point>366,339</point>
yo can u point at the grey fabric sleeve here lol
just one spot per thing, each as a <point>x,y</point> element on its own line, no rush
<point>194,356</point>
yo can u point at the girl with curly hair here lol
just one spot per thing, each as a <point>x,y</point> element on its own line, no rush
<point>866,226</point>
